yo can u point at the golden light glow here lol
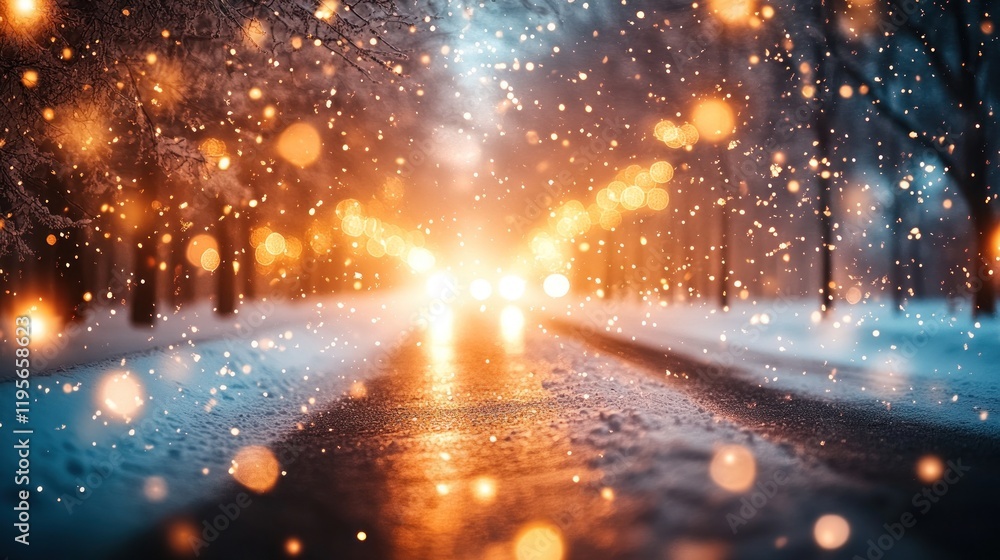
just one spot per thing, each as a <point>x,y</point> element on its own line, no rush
<point>29,78</point>
<point>293,546</point>
<point>198,246</point>
<point>512,329</point>
<point>733,468</point>
<point>210,260</point>
<point>256,468</point>
<point>420,259</point>
<point>657,199</point>
<point>212,149</point>
<point>661,172</point>
<point>327,9</point>
<point>121,394</point>
<point>732,12</point>
<point>300,144</point>
<point>714,119</point>
<point>511,287</point>
<point>484,489</point>
<point>255,93</point>
<point>480,289</point>
<point>24,12</point>
<point>275,243</point>
<point>930,468</point>
<point>556,285</point>
<point>831,531</point>
<point>539,541</point>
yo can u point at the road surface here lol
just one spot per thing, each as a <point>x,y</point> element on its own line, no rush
<point>505,434</point>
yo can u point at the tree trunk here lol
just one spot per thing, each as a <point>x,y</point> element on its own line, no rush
<point>896,251</point>
<point>225,275</point>
<point>983,286</point>
<point>144,265</point>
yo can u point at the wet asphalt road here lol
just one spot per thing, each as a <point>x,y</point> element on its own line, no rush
<point>460,450</point>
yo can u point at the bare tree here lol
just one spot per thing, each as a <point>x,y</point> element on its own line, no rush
<point>943,79</point>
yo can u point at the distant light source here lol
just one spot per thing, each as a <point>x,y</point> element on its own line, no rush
<point>256,468</point>
<point>539,541</point>
<point>441,286</point>
<point>831,531</point>
<point>300,144</point>
<point>480,289</point>
<point>733,12</point>
<point>420,259</point>
<point>511,287</point>
<point>733,468</point>
<point>121,394</point>
<point>556,285</point>
<point>714,119</point>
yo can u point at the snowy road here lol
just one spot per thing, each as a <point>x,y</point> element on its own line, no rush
<point>508,435</point>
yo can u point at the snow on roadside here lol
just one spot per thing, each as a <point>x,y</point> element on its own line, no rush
<point>695,485</point>
<point>930,360</point>
<point>120,442</point>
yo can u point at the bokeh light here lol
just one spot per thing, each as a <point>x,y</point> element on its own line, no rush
<point>831,531</point>
<point>511,287</point>
<point>733,468</point>
<point>714,119</point>
<point>420,259</point>
<point>556,285</point>
<point>300,144</point>
<point>122,394</point>
<point>539,541</point>
<point>198,246</point>
<point>480,289</point>
<point>930,468</point>
<point>256,468</point>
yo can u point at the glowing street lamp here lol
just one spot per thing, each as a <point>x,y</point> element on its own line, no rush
<point>24,12</point>
<point>715,121</point>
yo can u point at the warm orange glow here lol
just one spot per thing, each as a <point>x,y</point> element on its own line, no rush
<point>327,9</point>
<point>930,468</point>
<point>180,536</point>
<point>732,12</point>
<point>484,489</point>
<point>661,172</point>
<point>512,329</point>
<point>256,468</point>
<point>29,78</point>
<point>293,546</point>
<point>420,259</point>
<point>831,531</point>
<point>539,541</point>
<point>275,243</point>
<point>121,394</point>
<point>511,287</point>
<point>24,12</point>
<point>210,260</point>
<point>714,119</point>
<point>300,144</point>
<point>198,246</point>
<point>657,199</point>
<point>733,468</point>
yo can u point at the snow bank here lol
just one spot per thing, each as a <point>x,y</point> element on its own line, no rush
<point>929,360</point>
<point>122,441</point>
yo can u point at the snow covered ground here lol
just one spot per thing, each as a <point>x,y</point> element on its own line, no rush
<point>929,360</point>
<point>127,439</point>
<point>691,485</point>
